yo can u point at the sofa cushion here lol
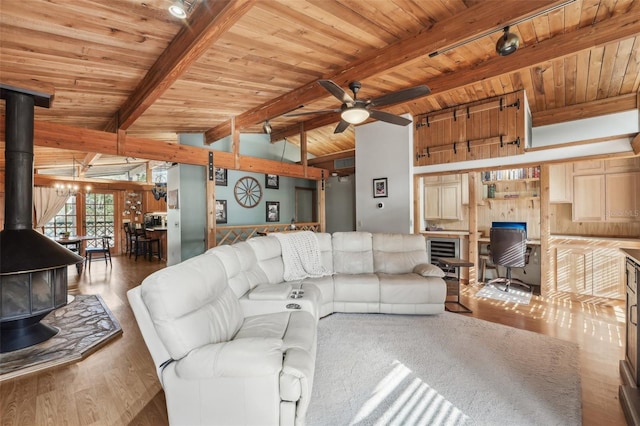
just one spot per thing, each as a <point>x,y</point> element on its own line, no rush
<point>191,304</point>
<point>269,258</point>
<point>398,253</point>
<point>411,289</point>
<point>357,288</point>
<point>352,253</point>
<point>326,250</point>
<point>236,280</point>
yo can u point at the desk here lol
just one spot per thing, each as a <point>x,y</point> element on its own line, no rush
<point>454,262</point>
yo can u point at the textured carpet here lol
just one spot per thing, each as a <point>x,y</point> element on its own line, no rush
<point>444,369</point>
<point>85,324</point>
<point>514,295</point>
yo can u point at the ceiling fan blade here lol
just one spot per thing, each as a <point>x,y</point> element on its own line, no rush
<point>320,111</point>
<point>341,127</point>
<point>389,118</point>
<point>400,96</point>
<point>336,91</point>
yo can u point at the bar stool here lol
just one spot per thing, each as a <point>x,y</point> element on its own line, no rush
<point>129,238</point>
<point>139,243</point>
<point>154,246</point>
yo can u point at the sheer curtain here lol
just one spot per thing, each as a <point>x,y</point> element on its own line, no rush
<point>46,204</point>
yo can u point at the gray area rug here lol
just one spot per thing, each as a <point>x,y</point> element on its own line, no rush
<point>514,295</point>
<point>85,324</point>
<point>444,369</point>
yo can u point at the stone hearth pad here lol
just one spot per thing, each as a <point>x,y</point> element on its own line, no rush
<point>85,325</point>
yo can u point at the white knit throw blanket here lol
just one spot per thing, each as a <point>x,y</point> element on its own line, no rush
<point>301,255</point>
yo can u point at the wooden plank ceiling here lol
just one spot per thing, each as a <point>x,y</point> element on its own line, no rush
<point>128,64</point>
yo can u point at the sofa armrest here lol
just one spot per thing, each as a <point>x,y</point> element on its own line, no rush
<point>428,270</point>
<point>296,379</point>
<point>250,357</point>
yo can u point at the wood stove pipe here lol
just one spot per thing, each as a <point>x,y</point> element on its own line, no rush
<point>22,249</point>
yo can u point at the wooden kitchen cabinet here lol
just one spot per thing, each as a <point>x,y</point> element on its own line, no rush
<point>561,183</point>
<point>153,205</point>
<point>588,167</point>
<point>573,270</point>
<point>592,272</point>
<point>588,198</point>
<point>627,164</point>
<point>442,201</point>
<point>622,198</point>
<point>611,197</point>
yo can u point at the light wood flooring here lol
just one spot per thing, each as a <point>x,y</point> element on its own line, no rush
<point>117,385</point>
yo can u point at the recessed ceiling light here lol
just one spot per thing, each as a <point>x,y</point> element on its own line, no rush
<point>177,9</point>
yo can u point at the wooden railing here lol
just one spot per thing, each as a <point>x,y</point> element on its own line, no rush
<point>237,233</point>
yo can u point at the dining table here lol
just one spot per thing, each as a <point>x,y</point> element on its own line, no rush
<point>77,244</point>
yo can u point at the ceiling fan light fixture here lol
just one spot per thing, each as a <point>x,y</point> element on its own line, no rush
<point>177,9</point>
<point>355,115</point>
<point>507,43</point>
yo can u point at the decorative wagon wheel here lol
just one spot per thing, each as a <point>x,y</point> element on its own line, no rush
<point>248,192</point>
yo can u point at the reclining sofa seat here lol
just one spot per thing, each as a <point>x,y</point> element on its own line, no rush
<point>216,365</point>
<point>378,273</point>
<point>227,346</point>
<point>369,273</point>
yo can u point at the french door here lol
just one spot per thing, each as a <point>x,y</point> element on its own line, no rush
<point>99,216</point>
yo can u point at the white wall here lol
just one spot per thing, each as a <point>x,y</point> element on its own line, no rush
<point>340,204</point>
<point>174,240</point>
<point>384,151</point>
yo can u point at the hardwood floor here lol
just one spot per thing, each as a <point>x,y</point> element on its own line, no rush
<point>117,385</point>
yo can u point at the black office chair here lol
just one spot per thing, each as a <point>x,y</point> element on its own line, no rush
<point>508,247</point>
<point>103,251</point>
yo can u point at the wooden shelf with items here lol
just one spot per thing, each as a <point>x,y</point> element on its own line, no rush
<point>512,185</point>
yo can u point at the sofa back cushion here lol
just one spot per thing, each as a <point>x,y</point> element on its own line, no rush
<point>191,304</point>
<point>269,257</point>
<point>352,253</point>
<point>398,253</point>
<point>326,250</point>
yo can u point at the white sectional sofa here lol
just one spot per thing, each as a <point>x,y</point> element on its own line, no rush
<point>234,343</point>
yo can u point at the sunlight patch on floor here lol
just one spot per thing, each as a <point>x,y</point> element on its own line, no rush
<point>409,401</point>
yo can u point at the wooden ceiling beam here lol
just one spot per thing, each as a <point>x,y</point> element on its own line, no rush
<point>89,159</point>
<point>331,157</point>
<point>601,33</point>
<point>66,137</point>
<point>474,21</point>
<point>209,21</point>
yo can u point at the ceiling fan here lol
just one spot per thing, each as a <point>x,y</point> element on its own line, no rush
<point>355,111</point>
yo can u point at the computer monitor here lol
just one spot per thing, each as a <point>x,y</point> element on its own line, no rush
<point>511,225</point>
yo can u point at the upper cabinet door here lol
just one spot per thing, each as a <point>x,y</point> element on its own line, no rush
<point>588,167</point>
<point>561,183</point>
<point>588,198</point>
<point>622,198</point>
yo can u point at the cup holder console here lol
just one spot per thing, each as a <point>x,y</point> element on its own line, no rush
<point>297,294</point>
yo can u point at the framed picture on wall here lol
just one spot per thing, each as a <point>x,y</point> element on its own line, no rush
<point>272,181</point>
<point>172,199</point>
<point>221,211</point>
<point>273,211</point>
<point>380,187</point>
<point>221,176</point>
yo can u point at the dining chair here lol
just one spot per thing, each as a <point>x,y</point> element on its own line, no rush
<point>101,252</point>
